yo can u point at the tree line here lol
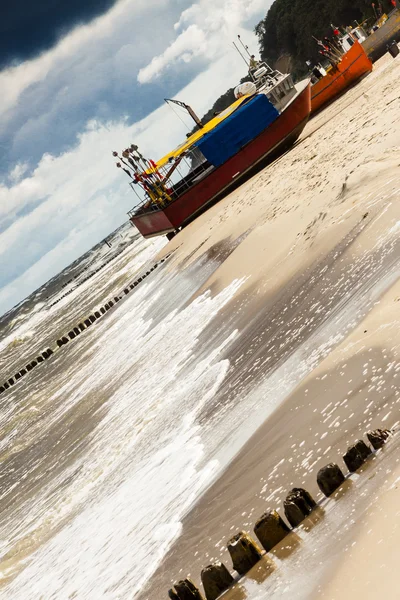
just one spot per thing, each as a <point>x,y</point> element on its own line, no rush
<point>289,27</point>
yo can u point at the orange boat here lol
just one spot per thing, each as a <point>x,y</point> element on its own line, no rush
<point>353,65</point>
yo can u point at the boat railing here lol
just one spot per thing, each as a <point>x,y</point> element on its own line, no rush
<point>192,167</point>
<point>262,72</point>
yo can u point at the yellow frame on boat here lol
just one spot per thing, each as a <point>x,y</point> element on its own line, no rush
<point>201,132</point>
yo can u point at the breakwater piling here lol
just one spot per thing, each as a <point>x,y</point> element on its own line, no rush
<point>185,590</point>
<point>216,579</point>
<point>76,330</point>
<point>244,552</point>
<point>297,506</point>
<point>271,529</point>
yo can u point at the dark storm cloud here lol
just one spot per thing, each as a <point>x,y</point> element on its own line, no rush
<point>28,28</point>
<point>97,82</point>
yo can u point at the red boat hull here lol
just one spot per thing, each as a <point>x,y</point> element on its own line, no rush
<point>354,64</point>
<point>280,135</point>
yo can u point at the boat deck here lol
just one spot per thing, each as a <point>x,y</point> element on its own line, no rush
<point>274,140</point>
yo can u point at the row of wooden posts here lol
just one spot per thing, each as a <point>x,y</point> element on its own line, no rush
<point>271,529</point>
<point>22,372</point>
<point>75,331</point>
<point>86,323</point>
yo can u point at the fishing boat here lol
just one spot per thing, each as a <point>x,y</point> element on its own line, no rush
<point>385,31</point>
<point>340,74</point>
<point>267,117</point>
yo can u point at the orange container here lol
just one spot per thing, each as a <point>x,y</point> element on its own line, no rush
<point>354,64</point>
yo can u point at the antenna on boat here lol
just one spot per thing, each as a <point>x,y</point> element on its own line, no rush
<point>246,48</point>
<point>236,48</point>
<point>189,110</point>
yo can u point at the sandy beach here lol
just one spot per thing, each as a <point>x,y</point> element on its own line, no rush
<point>315,239</point>
<point>255,354</point>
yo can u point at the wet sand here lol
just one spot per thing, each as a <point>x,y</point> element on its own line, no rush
<point>319,248</point>
<point>376,546</point>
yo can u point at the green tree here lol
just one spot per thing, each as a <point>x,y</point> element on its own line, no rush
<point>290,25</point>
<point>289,28</point>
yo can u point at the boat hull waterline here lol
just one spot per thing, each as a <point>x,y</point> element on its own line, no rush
<point>354,64</point>
<point>274,140</point>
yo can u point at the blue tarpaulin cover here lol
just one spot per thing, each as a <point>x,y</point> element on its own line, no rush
<point>245,124</point>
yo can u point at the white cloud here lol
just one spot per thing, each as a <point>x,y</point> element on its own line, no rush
<point>185,48</point>
<point>89,74</point>
<point>70,201</point>
<point>85,196</point>
<point>190,15</point>
<point>17,172</point>
<point>208,27</point>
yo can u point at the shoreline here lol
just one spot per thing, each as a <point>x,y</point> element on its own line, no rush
<point>337,187</point>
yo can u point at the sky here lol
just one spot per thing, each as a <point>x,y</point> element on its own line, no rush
<point>79,80</point>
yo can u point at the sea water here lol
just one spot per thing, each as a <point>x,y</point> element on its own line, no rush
<point>107,445</point>
<point>101,451</point>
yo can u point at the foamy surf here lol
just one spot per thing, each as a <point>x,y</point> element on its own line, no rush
<point>112,513</point>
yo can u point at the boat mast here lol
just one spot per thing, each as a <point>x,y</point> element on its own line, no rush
<point>246,48</point>
<point>189,110</point>
<point>237,49</point>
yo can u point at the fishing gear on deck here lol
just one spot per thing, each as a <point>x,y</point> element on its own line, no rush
<point>126,155</point>
<point>334,48</point>
<point>328,52</point>
<point>122,160</point>
<point>119,166</point>
<point>146,175</point>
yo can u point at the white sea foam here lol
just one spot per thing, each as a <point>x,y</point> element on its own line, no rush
<point>144,465</point>
<point>103,523</point>
<point>24,329</point>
